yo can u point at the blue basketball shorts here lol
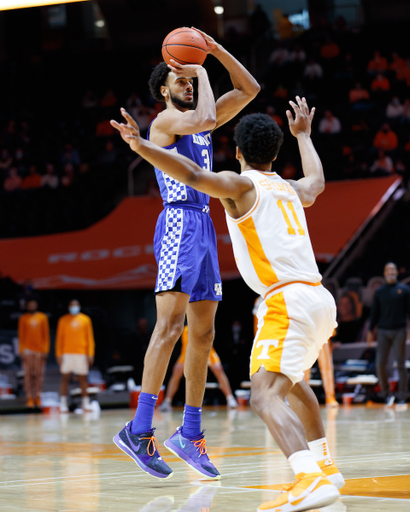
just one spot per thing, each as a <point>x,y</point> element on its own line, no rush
<point>185,250</point>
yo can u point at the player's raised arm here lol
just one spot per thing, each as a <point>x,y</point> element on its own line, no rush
<point>245,86</point>
<point>224,185</point>
<point>313,183</point>
<point>179,88</point>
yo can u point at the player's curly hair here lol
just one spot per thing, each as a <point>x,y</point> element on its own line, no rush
<point>157,80</point>
<point>259,138</point>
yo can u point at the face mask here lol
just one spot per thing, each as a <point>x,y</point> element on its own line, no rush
<point>74,310</point>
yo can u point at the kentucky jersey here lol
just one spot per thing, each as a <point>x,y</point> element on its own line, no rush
<point>271,242</point>
<point>196,147</point>
<point>185,239</point>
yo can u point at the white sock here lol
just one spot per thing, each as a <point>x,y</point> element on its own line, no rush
<point>168,400</point>
<point>304,462</point>
<point>229,397</point>
<point>86,402</point>
<point>319,449</point>
<point>63,400</point>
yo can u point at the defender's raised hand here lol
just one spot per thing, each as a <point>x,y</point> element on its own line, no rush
<point>129,132</point>
<point>303,118</point>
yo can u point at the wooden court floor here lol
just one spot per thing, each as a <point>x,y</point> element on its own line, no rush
<point>70,464</point>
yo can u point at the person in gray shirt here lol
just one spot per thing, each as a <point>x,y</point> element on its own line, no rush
<point>390,310</point>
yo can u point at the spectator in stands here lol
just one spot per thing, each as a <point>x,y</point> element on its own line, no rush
<point>20,159</point>
<point>383,165</point>
<point>284,28</point>
<point>406,111</point>
<point>109,155</point>
<point>347,318</point>
<point>33,180</point>
<point>271,111</point>
<point>329,124</point>
<point>289,171</point>
<point>397,64</point>
<point>330,50</point>
<point>358,93</point>
<point>133,103</point>
<point>386,139</point>
<point>143,118</point>
<point>297,55</point>
<point>104,128</point>
<point>13,181</point>
<point>378,64</point>
<point>403,75</point>
<point>70,156</point>
<point>5,159</point>
<point>394,109</point>
<point>390,313</point>
<point>50,179</point>
<point>280,56</point>
<point>407,146</point>
<point>68,177</point>
<point>313,71</point>
<point>380,84</point>
<point>109,99</point>
<point>10,137</point>
<point>89,100</point>
<point>34,346</point>
<point>74,350</point>
<point>223,152</point>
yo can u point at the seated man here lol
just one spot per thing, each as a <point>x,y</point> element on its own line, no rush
<point>214,364</point>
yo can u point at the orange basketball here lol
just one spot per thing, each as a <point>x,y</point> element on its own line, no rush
<point>184,45</point>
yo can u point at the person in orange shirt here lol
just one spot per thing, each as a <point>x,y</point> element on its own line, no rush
<point>74,350</point>
<point>33,180</point>
<point>214,364</point>
<point>34,343</point>
<point>378,64</point>
<point>358,93</point>
<point>386,139</point>
<point>380,83</point>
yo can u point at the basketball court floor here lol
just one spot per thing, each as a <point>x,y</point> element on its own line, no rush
<point>69,463</point>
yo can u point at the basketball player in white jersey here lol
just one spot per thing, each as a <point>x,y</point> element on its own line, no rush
<point>274,255</point>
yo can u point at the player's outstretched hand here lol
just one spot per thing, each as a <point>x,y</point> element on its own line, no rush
<point>129,132</point>
<point>303,118</point>
<point>184,70</point>
<point>211,44</point>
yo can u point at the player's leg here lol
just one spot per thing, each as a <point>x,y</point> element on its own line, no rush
<point>137,438</point>
<point>65,380</point>
<point>285,324</point>
<point>28,379</point>
<point>304,403</point>
<point>85,401</point>
<point>39,377</point>
<point>224,385</point>
<point>384,341</point>
<point>327,373</point>
<point>399,352</point>
<point>188,442</point>
<point>173,385</point>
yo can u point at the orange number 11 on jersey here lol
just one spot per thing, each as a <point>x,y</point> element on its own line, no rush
<point>291,229</point>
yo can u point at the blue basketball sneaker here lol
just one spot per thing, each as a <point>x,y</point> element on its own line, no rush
<point>193,452</point>
<point>143,449</point>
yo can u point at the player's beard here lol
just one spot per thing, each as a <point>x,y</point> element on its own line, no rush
<point>181,103</point>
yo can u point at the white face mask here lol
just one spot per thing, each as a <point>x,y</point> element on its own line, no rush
<point>74,310</point>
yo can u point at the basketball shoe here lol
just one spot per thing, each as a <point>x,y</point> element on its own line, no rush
<point>309,491</point>
<point>329,468</point>
<point>193,452</point>
<point>143,449</point>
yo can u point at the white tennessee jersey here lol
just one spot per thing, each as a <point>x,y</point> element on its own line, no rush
<point>271,242</point>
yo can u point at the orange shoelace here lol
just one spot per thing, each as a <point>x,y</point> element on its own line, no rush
<point>201,446</point>
<point>153,443</point>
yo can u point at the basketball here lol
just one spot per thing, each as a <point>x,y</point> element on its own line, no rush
<point>184,45</point>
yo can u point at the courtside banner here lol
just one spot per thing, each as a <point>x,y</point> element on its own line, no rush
<point>117,252</point>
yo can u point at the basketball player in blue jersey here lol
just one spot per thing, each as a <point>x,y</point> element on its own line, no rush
<point>188,282</point>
